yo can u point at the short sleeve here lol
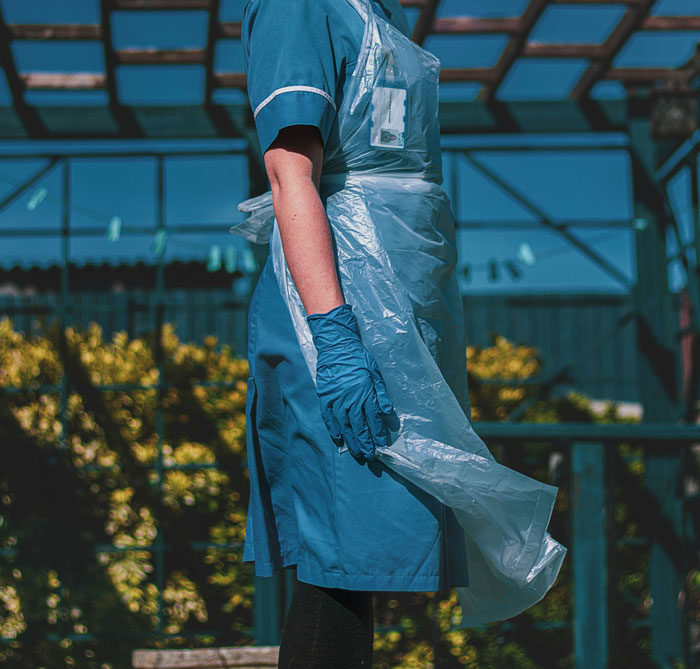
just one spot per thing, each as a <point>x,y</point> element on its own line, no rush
<point>291,66</point>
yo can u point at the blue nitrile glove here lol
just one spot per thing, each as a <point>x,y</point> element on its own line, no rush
<point>350,388</point>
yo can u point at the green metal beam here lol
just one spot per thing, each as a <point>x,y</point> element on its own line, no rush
<point>692,389</point>
<point>674,436</point>
<point>659,374</point>
<point>590,556</point>
<point>208,228</point>
<point>652,194</point>
<point>267,620</point>
<point>159,321</point>
<point>456,117</point>
<point>686,153</point>
<point>24,186</point>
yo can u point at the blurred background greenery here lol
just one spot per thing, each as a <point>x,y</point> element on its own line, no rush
<point>82,510</point>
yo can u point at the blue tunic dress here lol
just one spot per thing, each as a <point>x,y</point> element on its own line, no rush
<point>342,524</point>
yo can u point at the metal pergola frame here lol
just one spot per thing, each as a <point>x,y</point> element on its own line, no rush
<point>487,113</point>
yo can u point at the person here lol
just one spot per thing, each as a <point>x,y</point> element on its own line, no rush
<point>319,501</point>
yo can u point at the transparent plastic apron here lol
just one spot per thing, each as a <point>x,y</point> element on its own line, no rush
<point>394,239</point>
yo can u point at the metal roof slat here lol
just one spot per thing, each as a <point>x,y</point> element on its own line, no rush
<point>636,75</point>
<point>28,115</point>
<point>563,50</point>
<point>229,29</point>
<point>160,56</point>
<point>213,31</point>
<point>468,25</point>
<point>671,23</point>
<point>48,31</point>
<point>124,116</point>
<point>230,80</point>
<point>217,114</point>
<point>65,81</point>
<point>598,2</point>
<point>425,21</point>
<point>514,48</point>
<point>161,4</point>
<point>630,21</point>
<point>467,74</point>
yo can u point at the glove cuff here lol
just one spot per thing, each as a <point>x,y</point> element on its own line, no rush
<point>335,327</point>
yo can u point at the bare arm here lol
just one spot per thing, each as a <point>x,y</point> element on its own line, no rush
<point>293,163</point>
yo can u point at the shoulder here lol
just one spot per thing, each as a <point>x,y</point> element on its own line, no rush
<point>291,8</point>
<point>331,26</point>
<point>398,16</point>
<point>313,16</point>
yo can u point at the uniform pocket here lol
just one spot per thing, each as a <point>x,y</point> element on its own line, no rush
<point>250,401</point>
<point>253,503</point>
<point>250,393</point>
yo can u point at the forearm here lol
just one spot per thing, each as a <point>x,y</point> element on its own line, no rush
<point>294,168</point>
<point>308,245</point>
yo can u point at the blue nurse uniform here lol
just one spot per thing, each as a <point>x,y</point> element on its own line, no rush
<point>344,525</point>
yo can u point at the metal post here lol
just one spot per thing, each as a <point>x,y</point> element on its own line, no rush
<point>159,543</point>
<point>266,610</point>
<point>65,297</point>
<point>590,554</point>
<point>61,525</point>
<point>659,374</point>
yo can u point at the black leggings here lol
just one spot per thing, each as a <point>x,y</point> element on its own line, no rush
<point>327,628</point>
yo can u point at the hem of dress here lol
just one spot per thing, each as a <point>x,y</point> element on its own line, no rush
<point>267,569</point>
<point>372,582</point>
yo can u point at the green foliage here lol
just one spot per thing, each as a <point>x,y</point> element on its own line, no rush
<point>81,509</point>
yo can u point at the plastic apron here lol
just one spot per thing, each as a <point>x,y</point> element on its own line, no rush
<point>396,254</point>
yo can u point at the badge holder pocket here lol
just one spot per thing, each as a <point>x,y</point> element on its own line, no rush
<point>387,128</point>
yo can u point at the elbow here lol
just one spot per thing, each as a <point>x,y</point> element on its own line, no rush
<point>277,177</point>
<point>289,179</point>
<point>294,159</point>
<point>284,185</point>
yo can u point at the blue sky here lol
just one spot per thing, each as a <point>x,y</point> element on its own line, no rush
<point>588,185</point>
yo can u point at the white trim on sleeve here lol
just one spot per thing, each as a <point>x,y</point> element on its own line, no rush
<point>292,89</point>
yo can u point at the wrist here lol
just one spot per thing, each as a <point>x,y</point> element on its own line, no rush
<point>329,313</point>
<point>333,328</point>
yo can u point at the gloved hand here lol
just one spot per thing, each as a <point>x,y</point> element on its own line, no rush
<point>350,388</point>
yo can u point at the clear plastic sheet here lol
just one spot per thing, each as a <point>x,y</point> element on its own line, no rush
<point>393,232</point>
<point>512,559</point>
<point>257,228</point>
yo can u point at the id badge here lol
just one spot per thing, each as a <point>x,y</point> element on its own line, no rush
<point>388,130</point>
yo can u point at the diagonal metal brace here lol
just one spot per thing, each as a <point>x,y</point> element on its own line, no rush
<point>529,204</point>
<point>25,186</point>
